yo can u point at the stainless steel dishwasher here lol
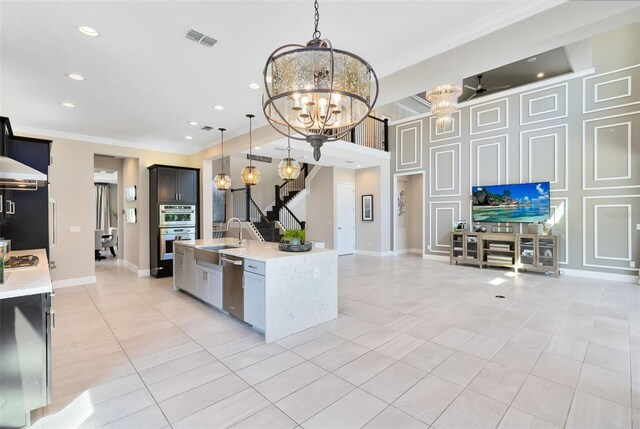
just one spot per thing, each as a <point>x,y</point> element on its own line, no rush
<point>232,289</point>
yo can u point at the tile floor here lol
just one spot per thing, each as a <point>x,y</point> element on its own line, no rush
<point>418,344</point>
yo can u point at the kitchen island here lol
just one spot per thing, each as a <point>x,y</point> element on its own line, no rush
<point>282,292</point>
<point>26,320</point>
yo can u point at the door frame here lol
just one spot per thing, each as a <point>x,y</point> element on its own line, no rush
<point>395,208</point>
<point>336,201</point>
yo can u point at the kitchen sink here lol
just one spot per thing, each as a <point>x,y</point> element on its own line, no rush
<point>211,254</point>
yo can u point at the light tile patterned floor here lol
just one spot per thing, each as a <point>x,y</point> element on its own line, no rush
<point>418,343</point>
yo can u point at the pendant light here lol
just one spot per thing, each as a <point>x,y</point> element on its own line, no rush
<point>222,181</point>
<point>316,93</point>
<point>250,175</point>
<point>289,168</point>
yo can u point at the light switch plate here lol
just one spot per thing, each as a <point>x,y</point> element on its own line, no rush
<point>75,228</point>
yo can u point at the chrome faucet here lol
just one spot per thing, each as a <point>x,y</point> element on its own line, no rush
<point>240,240</point>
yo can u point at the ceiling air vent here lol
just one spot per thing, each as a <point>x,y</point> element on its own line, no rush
<point>206,128</point>
<point>198,37</point>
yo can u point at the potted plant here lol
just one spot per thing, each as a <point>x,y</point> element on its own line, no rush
<point>294,236</point>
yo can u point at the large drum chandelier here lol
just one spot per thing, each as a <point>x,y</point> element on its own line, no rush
<point>444,101</point>
<point>316,93</point>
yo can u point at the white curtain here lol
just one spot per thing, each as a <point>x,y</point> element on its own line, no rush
<point>103,211</point>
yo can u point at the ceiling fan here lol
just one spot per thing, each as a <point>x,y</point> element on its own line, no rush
<point>479,89</point>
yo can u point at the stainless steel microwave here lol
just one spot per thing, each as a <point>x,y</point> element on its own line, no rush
<point>171,216</point>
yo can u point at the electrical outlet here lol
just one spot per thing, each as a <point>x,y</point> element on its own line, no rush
<point>632,264</point>
<point>316,273</point>
<point>75,229</point>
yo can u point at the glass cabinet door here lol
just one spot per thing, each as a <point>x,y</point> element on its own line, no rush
<point>527,250</point>
<point>457,245</point>
<point>472,247</point>
<point>545,251</point>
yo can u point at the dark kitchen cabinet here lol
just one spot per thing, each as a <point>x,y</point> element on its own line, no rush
<point>24,214</point>
<point>177,185</point>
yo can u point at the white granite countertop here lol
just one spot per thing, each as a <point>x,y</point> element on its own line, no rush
<point>27,281</point>
<point>253,249</point>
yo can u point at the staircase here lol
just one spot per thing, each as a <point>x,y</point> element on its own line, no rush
<point>277,218</point>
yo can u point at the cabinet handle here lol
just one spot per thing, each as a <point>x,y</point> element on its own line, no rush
<point>1,203</point>
<point>53,319</point>
<point>253,266</point>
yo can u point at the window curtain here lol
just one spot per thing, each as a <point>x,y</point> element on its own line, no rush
<point>103,211</point>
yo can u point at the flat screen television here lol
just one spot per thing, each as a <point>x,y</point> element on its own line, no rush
<point>525,202</point>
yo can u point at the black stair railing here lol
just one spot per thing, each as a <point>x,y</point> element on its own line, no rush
<point>372,132</point>
<point>244,207</point>
<point>283,194</point>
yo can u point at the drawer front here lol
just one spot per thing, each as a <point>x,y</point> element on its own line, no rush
<point>254,266</point>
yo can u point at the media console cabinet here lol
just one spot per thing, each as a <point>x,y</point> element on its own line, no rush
<point>529,252</point>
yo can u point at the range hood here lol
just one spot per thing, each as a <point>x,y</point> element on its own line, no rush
<point>19,177</point>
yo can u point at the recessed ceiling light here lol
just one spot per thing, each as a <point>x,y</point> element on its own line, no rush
<point>532,59</point>
<point>218,107</point>
<point>540,74</point>
<point>254,86</point>
<point>358,166</point>
<point>188,137</point>
<point>88,31</point>
<point>75,76</point>
<point>257,148</point>
<point>68,104</point>
<point>193,123</point>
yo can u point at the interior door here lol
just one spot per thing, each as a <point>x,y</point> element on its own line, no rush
<point>346,219</point>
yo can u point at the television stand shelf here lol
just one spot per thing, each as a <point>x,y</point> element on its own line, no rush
<point>528,252</point>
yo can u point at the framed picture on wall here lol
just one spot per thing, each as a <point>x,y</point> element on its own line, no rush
<point>130,216</point>
<point>130,193</point>
<point>367,208</point>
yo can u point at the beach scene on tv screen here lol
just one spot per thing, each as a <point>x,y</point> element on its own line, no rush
<point>527,202</point>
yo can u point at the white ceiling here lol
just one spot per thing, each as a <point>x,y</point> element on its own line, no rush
<point>145,80</point>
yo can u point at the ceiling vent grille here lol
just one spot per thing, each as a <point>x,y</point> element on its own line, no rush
<point>206,128</point>
<point>198,37</point>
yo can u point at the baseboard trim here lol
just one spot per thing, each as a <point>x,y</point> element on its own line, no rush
<point>435,257</point>
<point>144,273</point>
<point>599,275</point>
<point>78,281</point>
<point>372,253</point>
<point>130,266</point>
<point>405,251</point>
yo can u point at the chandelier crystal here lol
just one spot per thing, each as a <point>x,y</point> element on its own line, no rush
<point>288,168</point>
<point>444,101</point>
<point>250,175</point>
<point>316,93</point>
<point>222,181</point>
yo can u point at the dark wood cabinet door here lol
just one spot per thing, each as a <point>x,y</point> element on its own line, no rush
<point>167,184</point>
<point>187,186</point>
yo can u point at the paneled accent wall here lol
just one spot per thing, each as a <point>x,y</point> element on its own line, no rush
<point>580,133</point>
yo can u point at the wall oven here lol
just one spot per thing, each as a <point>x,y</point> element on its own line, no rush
<point>169,235</point>
<point>173,216</point>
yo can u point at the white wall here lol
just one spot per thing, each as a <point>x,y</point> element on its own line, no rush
<point>71,177</point>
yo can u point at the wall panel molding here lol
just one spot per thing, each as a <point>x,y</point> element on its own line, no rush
<point>595,158</point>
<point>530,114</point>
<point>437,167</point>
<point>451,132</point>
<point>592,222</point>
<point>559,156</point>
<point>622,84</point>
<point>500,165</point>
<point>490,116</point>
<point>409,146</point>
<point>440,224</point>
<point>560,215</point>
